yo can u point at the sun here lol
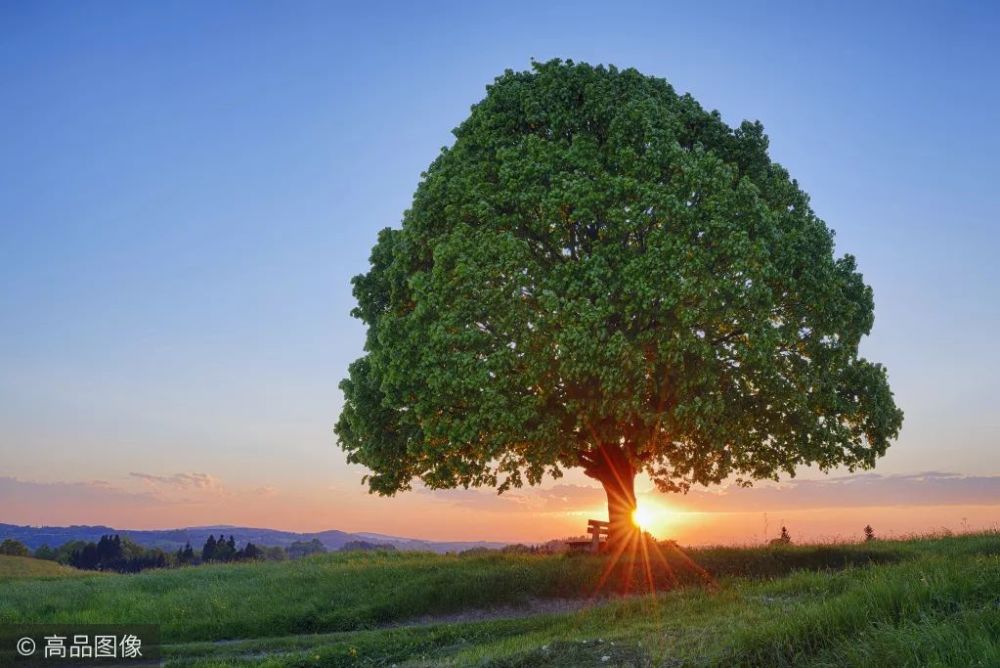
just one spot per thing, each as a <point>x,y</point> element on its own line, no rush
<point>654,518</point>
<point>643,517</point>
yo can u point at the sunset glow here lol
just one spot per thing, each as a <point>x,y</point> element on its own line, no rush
<point>642,517</point>
<point>654,518</point>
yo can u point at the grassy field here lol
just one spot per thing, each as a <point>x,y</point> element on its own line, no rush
<point>918,602</point>
<point>16,568</point>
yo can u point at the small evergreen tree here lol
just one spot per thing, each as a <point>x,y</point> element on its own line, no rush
<point>185,555</point>
<point>109,552</point>
<point>249,551</point>
<point>86,558</point>
<point>225,550</point>
<point>221,549</point>
<point>208,552</point>
<point>869,533</point>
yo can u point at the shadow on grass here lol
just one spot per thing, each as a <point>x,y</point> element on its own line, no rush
<point>663,566</point>
<point>774,562</point>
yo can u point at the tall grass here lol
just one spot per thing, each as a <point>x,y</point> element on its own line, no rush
<point>880,616</point>
<point>883,610</point>
<point>350,591</point>
<point>930,601</point>
<point>334,592</point>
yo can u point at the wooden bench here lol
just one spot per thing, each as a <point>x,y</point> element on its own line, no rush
<point>598,531</point>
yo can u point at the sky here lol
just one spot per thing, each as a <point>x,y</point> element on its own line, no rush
<point>187,188</point>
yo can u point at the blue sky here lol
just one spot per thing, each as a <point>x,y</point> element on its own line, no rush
<point>187,188</point>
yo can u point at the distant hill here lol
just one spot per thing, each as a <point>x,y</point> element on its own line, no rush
<point>171,539</point>
<point>12,568</point>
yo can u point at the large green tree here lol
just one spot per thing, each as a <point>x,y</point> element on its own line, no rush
<point>600,274</point>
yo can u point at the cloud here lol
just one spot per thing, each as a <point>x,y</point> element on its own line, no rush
<point>932,488</point>
<point>154,491</point>
<point>557,499</point>
<point>571,497</point>
<point>15,493</point>
<point>201,481</point>
<point>478,499</point>
<point>137,500</point>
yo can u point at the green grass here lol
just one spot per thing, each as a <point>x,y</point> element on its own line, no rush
<point>16,568</point>
<point>901,603</point>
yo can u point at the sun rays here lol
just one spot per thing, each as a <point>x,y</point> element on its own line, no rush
<point>656,518</point>
<point>640,564</point>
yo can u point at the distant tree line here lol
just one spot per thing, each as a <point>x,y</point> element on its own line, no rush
<point>365,546</point>
<point>219,550</point>
<point>111,553</point>
<point>552,547</point>
<point>115,553</point>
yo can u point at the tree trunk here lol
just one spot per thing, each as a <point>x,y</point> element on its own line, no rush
<point>621,508</point>
<point>614,471</point>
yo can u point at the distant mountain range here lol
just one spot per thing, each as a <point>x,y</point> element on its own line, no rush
<point>172,539</point>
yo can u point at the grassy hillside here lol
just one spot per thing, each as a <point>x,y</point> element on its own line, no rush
<point>15,568</point>
<point>914,603</point>
<point>350,591</point>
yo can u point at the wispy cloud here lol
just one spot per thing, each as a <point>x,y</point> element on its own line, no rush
<point>931,488</point>
<point>15,493</point>
<point>135,500</point>
<point>478,499</point>
<point>559,498</point>
<point>571,497</point>
<point>152,490</point>
<point>201,481</point>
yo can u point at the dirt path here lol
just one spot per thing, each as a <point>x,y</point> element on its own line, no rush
<point>530,608</point>
<point>538,606</point>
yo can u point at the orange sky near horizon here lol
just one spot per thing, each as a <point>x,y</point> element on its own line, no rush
<point>813,510</point>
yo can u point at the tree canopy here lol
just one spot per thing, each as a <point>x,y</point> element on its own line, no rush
<point>599,273</point>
